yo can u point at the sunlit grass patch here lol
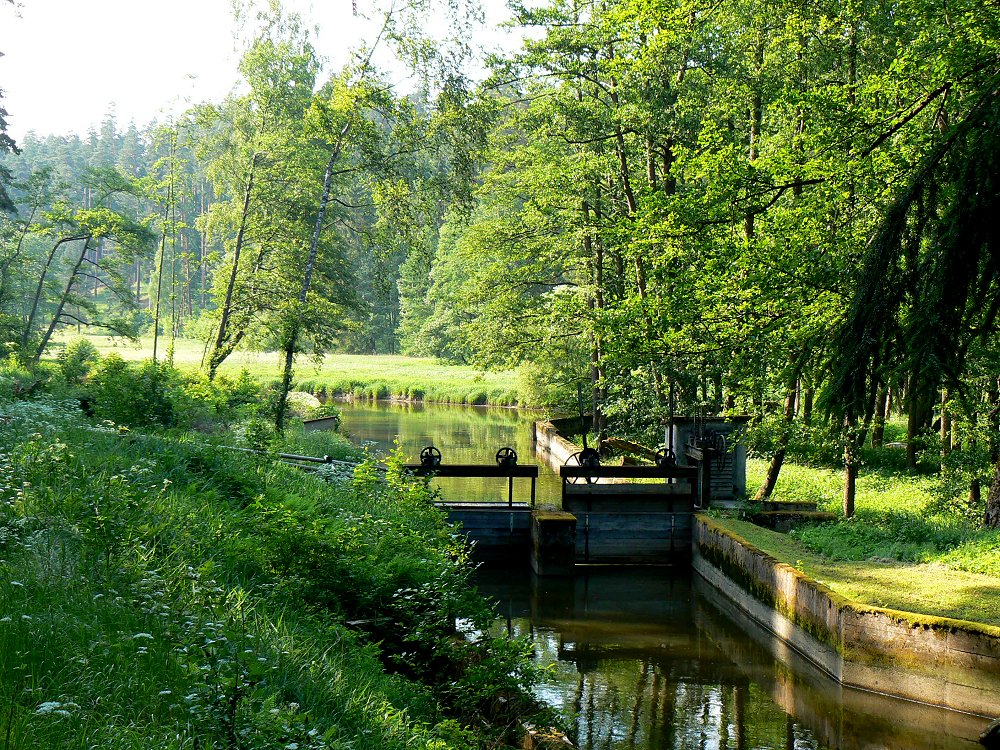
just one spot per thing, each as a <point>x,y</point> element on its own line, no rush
<point>913,533</point>
<point>356,376</point>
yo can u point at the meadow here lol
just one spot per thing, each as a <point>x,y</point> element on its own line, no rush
<point>346,375</point>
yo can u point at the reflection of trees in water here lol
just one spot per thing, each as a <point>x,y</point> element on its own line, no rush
<point>639,705</point>
<point>463,435</point>
<point>646,660</point>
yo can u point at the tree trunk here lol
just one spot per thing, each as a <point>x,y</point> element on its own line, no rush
<point>30,323</point>
<point>993,419</point>
<point>945,425</point>
<point>159,279</point>
<point>291,340</point>
<point>594,252</point>
<point>915,421</point>
<point>788,416</point>
<point>850,466</point>
<point>778,458</point>
<point>878,426</point>
<point>223,346</point>
<point>991,517</point>
<point>808,400</point>
<point>756,125</point>
<point>62,301</point>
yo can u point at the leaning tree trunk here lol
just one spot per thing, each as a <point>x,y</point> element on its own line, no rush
<point>62,301</point>
<point>778,457</point>
<point>291,339</point>
<point>223,346</point>
<point>26,332</point>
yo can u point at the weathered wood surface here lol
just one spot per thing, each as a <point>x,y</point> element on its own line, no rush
<point>627,503</point>
<point>635,538</point>
<point>689,473</point>
<point>473,470</point>
<point>498,531</point>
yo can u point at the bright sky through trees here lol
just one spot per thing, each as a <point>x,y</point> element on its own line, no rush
<point>66,61</point>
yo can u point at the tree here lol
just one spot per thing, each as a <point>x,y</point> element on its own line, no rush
<point>252,160</point>
<point>7,146</point>
<point>924,299</point>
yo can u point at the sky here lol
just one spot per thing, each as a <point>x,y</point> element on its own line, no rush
<point>67,62</point>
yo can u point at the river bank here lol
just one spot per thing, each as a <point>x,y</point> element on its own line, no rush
<point>157,590</point>
<point>936,660</point>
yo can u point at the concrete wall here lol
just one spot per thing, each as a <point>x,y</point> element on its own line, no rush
<point>933,660</point>
<point>551,446</point>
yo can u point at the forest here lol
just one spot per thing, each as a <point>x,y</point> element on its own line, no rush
<point>780,211</point>
<point>784,210</point>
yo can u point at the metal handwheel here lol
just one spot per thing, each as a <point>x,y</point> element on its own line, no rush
<point>506,456</point>
<point>430,456</point>
<point>587,457</point>
<point>665,457</point>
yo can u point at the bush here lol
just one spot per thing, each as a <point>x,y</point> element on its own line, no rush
<point>76,361</point>
<point>134,395</point>
<point>18,380</point>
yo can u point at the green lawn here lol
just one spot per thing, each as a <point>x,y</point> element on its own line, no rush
<point>914,544</point>
<point>361,376</point>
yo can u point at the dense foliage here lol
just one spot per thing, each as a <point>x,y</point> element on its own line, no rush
<point>736,207</point>
<point>160,589</point>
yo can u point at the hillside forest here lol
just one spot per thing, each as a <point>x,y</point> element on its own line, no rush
<point>780,209</point>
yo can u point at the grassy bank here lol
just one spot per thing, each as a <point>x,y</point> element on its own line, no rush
<point>359,376</point>
<point>157,591</point>
<point>914,543</point>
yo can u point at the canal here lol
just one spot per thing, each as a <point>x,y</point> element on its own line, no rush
<point>652,658</point>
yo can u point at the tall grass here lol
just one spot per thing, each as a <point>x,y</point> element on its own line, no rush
<point>156,591</point>
<point>925,518</point>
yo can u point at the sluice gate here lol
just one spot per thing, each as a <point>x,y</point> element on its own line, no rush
<point>636,515</point>
<point>609,515</point>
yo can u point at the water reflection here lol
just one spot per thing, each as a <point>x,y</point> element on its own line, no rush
<point>650,660</point>
<point>463,434</point>
<point>653,659</point>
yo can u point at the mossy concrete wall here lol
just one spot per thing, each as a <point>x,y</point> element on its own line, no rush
<point>934,660</point>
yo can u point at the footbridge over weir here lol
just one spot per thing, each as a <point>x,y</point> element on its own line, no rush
<point>608,515</point>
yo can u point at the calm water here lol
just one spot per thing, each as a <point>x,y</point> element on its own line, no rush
<point>464,435</point>
<point>654,658</point>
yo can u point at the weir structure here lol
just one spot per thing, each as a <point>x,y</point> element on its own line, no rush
<point>609,515</point>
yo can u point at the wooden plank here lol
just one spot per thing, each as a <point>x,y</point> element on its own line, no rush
<point>626,504</point>
<point>650,552</point>
<point>629,472</point>
<point>630,525</point>
<point>634,522</point>
<point>473,470</point>
<point>320,423</point>
<point>659,489</point>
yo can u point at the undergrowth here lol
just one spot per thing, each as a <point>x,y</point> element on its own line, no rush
<point>923,518</point>
<point>157,590</point>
